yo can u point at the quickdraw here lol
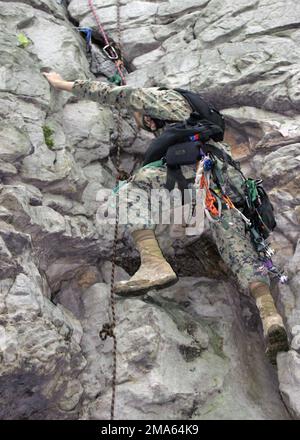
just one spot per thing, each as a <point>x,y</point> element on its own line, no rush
<point>109,49</point>
<point>213,213</point>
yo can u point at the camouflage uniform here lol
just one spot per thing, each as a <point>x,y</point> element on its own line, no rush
<point>229,235</point>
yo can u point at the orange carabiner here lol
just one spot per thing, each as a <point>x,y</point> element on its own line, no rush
<point>228,202</point>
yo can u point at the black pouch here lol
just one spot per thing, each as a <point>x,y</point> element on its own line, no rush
<point>186,153</point>
<point>265,212</point>
<point>261,212</point>
<point>205,110</point>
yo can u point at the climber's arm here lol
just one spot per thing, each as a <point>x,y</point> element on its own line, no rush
<point>104,93</point>
<point>164,104</point>
<point>66,85</point>
<point>160,104</point>
<point>58,82</point>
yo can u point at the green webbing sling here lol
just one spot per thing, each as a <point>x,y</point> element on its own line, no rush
<point>252,189</point>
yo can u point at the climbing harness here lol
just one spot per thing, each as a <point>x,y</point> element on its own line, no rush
<point>108,329</point>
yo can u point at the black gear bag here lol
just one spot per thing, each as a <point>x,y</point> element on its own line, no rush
<point>203,111</point>
<point>258,208</point>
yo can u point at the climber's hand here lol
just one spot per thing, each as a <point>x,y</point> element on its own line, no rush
<point>57,81</point>
<point>53,78</point>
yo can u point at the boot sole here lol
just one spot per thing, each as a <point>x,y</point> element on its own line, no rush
<point>135,293</point>
<point>277,342</point>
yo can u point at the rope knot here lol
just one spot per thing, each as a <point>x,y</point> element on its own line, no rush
<point>107,330</point>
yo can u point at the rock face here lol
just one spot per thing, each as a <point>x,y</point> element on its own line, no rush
<point>194,350</point>
<point>187,352</point>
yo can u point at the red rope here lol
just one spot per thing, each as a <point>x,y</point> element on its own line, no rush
<point>118,62</point>
<point>94,11</point>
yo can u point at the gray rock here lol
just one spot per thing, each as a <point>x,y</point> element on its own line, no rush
<point>173,9</point>
<point>39,344</point>
<point>282,164</point>
<point>56,171</point>
<point>15,144</point>
<point>54,45</point>
<point>99,63</point>
<point>90,199</point>
<point>133,13</point>
<point>170,367</point>
<point>19,81</point>
<point>25,116</point>
<point>194,349</point>
<point>295,345</point>
<point>98,174</point>
<point>138,41</point>
<point>288,364</point>
<point>288,372</point>
<point>88,127</point>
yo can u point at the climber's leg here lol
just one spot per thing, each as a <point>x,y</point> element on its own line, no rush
<point>237,252</point>
<point>273,327</point>
<point>154,271</point>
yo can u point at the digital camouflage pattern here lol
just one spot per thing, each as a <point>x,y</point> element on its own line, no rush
<point>236,250</point>
<point>161,104</point>
<point>229,235</point>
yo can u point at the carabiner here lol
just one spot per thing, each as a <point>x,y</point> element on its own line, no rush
<point>114,55</point>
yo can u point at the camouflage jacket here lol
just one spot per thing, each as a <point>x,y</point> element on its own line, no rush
<point>161,104</point>
<point>167,105</point>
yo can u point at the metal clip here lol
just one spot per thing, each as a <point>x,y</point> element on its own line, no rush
<point>108,48</point>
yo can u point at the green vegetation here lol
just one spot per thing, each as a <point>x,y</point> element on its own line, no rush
<point>48,132</point>
<point>23,41</point>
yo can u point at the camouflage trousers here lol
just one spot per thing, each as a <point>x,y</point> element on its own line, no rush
<point>233,245</point>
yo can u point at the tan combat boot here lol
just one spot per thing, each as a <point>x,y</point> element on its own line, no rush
<point>273,327</point>
<point>154,271</point>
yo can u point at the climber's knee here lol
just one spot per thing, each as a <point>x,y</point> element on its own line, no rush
<point>258,287</point>
<point>256,284</point>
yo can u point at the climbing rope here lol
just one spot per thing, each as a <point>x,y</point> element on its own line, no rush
<point>108,329</point>
<point>108,49</point>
